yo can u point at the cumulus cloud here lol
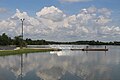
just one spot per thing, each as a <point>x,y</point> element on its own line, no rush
<point>7,26</point>
<point>51,13</point>
<point>111,30</point>
<point>105,11</point>
<point>92,9</point>
<point>19,15</point>
<point>102,20</point>
<point>3,10</point>
<point>51,23</point>
<point>75,0</point>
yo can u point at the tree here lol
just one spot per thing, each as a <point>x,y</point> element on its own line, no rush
<point>17,40</point>
<point>5,40</point>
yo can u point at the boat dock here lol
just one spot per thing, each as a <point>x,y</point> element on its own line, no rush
<point>94,49</point>
<point>90,49</point>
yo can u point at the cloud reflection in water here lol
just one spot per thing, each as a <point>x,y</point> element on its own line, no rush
<point>57,65</point>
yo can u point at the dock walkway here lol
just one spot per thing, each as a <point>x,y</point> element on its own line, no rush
<point>90,49</point>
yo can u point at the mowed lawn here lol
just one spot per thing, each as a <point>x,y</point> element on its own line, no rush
<point>25,51</point>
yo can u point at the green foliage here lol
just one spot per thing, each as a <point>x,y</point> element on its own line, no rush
<point>86,43</point>
<point>5,40</point>
<point>17,40</point>
<point>36,42</point>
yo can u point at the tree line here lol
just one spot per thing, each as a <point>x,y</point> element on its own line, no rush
<point>17,40</point>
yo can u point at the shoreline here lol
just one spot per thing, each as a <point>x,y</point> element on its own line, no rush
<point>26,51</point>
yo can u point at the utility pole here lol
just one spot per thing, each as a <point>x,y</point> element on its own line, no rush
<point>22,20</point>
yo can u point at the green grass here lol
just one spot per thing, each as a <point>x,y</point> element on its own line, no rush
<point>23,51</point>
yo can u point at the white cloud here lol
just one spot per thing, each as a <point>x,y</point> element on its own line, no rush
<point>105,11</point>
<point>7,26</point>
<point>102,20</point>
<point>75,0</point>
<point>3,10</point>
<point>51,23</point>
<point>19,15</point>
<point>111,30</point>
<point>92,9</point>
<point>51,13</point>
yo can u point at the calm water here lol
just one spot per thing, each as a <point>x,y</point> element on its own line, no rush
<point>62,65</point>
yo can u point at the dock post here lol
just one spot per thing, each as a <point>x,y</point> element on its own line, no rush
<point>105,47</point>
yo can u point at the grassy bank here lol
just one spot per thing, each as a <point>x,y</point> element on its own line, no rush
<point>24,51</point>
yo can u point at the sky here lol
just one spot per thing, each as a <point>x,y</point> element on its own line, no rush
<point>62,20</point>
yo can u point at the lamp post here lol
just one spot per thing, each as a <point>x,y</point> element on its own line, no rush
<point>22,20</point>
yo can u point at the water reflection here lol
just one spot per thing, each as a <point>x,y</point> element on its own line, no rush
<point>20,77</point>
<point>63,65</point>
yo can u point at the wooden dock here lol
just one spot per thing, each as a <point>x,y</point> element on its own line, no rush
<point>75,49</point>
<point>90,49</point>
<point>94,49</point>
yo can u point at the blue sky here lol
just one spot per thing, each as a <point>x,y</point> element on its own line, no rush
<point>66,8</point>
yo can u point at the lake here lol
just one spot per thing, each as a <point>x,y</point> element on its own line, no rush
<point>63,65</point>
